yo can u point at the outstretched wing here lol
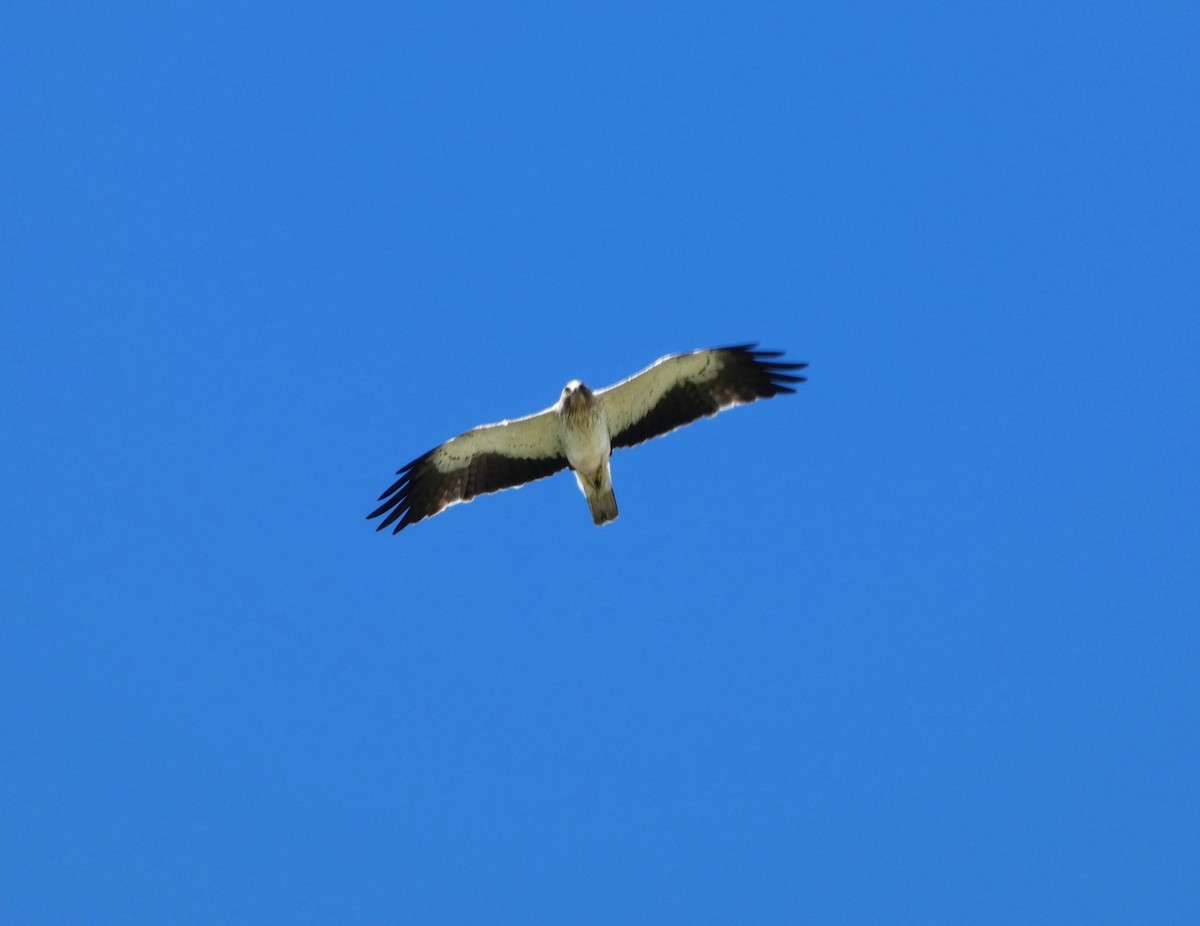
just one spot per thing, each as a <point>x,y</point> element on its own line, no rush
<point>680,388</point>
<point>485,459</point>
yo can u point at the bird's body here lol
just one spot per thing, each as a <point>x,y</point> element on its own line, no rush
<point>585,441</point>
<point>581,430</point>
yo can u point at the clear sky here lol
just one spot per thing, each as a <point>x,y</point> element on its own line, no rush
<point>918,644</point>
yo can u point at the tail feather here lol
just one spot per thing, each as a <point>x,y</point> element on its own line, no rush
<point>603,505</point>
<point>600,498</point>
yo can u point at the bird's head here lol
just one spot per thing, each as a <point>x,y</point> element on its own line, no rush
<point>576,395</point>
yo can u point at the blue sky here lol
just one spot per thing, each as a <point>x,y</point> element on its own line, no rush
<point>918,644</point>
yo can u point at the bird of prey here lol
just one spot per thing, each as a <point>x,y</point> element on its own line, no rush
<point>581,430</point>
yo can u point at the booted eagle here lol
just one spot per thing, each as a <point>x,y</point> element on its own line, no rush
<point>581,430</point>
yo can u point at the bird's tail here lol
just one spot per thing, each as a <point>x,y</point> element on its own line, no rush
<point>600,497</point>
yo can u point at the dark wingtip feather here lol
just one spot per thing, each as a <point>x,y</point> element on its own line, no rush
<point>762,358</point>
<point>761,374</point>
<point>785,366</point>
<point>740,348</point>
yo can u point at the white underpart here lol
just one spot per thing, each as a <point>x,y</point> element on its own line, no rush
<point>585,440</point>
